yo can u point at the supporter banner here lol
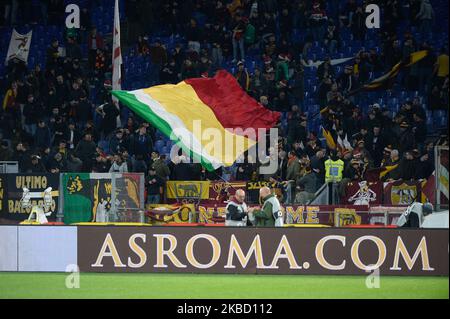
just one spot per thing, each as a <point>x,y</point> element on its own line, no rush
<point>363,193</point>
<point>401,192</point>
<point>160,214</point>
<point>254,187</point>
<point>318,251</point>
<point>11,191</point>
<point>443,177</point>
<point>19,46</point>
<point>218,191</point>
<point>187,189</point>
<point>385,215</point>
<point>84,193</point>
<point>299,214</point>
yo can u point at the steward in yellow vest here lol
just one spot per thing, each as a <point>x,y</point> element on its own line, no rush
<point>333,168</point>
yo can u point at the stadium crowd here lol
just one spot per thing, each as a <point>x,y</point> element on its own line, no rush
<point>50,122</point>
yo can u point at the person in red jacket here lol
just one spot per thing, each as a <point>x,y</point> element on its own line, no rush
<point>94,42</point>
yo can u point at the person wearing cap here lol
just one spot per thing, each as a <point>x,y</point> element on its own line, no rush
<point>242,76</point>
<point>36,165</point>
<point>347,81</point>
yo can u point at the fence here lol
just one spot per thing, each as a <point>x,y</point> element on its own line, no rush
<point>9,167</point>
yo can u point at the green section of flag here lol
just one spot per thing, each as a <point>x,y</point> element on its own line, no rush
<point>77,198</point>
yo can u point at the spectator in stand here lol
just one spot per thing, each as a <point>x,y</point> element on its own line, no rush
<point>306,187</point>
<point>31,112</point>
<point>6,152</point>
<point>118,165</point>
<point>194,36</point>
<point>158,56</point>
<point>358,24</point>
<point>85,151</point>
<point>74,164</point>
<point>317,21</point>
<point>143,48</point>
<point>441,66</point>
<point>155,185</point>
<point>141,143</point>
<point>426,17</point>
<point>53,53</point>
<point>238,29</point>
<point>109,113</point>
<point>331,40</point>
<point>42,136</point>
<point>36,165</point>
<point>217,38</point>
<point>94,43</point>
<point>160,166</point>
<point>139,165</point>
<point>242,76</point>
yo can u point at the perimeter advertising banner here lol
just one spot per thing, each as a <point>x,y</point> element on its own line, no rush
<point>324,251</point>
<point>11,192</point>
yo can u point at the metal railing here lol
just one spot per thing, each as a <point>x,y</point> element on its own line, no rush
<point>9,167</point>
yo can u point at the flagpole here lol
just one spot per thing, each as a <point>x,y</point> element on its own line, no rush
<point>116,58</point>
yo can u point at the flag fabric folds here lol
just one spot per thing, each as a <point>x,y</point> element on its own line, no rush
<point>206,117</point>
<point>329,139</point>
<point>386,81</point>
<point>378,173</point>
<point>19,46</point>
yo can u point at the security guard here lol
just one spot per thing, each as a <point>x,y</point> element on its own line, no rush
<point>333,168</point>
<point>270,215</point>
<point>236,210</point>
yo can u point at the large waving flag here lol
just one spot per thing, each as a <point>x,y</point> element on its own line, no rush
<point>207,117</point>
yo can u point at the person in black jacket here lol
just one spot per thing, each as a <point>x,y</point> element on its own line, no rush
<point>406,140</point>
<point>376,142</point>
<point>42,137</point>
<point>408,166</point>
<point>85,151</point>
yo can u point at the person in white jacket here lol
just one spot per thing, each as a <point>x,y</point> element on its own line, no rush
<point>118,165</point>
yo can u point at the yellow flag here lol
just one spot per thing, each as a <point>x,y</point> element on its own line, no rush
<point>330,141</point>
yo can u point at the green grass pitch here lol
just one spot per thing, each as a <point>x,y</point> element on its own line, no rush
<point>190,286</point>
